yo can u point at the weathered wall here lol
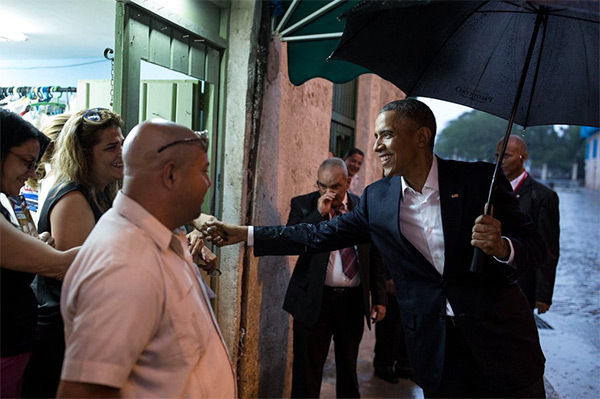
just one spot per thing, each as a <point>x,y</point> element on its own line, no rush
<point>239,59</point>
<point>294,140</point>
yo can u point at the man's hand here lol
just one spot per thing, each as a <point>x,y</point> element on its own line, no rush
<point>542,307</point>
<point>487,235</point>
<point>203,257</point>
<point>377,313</point>
<point>222,233</point>
<point>47,238</point>
<point>325,201</point>
<point>200,222</point>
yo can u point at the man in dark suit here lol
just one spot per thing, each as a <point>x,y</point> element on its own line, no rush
<point>468,334</point>
<point>327,300</point>
<point>541,203</point>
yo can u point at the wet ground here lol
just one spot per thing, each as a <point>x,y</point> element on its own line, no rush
<point>571,345</point>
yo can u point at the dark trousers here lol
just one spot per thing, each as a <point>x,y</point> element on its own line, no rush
<point>42,375</point>
<point>462,378</point>
<point>342,318</point>
<point>390,346</point>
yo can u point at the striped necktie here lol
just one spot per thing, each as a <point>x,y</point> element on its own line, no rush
<point>349,266</point>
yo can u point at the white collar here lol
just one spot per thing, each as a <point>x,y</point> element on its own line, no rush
<point>432,182</point>
<point>515,182</point>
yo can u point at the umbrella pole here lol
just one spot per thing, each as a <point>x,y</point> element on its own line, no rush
<point>478,254</point>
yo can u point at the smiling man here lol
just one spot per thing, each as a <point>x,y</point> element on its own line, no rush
<point>467,334</point>
<point>138,321</point>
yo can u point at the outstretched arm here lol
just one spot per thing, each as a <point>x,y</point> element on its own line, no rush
<point>341,232</point>
<point>222,233</point>
<point>21,252</point>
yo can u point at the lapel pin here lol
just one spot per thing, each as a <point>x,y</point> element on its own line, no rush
<point>454,195</point>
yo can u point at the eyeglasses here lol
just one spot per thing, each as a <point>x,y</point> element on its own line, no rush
<point>93,114</point>
<point>201,137</point>
<point>31,165</point>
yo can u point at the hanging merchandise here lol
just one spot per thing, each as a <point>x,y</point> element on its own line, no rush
<point>36,103</point>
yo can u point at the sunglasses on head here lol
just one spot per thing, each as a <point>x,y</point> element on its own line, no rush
<point>201,137</point>
<point>93,114</point>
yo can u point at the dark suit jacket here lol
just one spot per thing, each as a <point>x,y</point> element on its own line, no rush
<point>491,310</point>
<point>541,203</point>
<point>305,291</point>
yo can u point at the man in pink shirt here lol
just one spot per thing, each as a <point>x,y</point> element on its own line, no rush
<point>138,322</point>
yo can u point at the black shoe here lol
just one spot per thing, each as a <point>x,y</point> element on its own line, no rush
<point>386,374</point>
<point>403,371</point>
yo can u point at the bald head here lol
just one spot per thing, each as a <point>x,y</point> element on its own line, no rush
<point>166,162</point>
<point>513,163</point>
<point>140,150</point>
<point>516,143</point>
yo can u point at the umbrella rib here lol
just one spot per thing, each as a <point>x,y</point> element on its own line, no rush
<point>537,69</point>
<point>552,12</point>
<point>593,21</point>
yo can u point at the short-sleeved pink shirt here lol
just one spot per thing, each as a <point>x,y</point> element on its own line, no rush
<point>137,316</point>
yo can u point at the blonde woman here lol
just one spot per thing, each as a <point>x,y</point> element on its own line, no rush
<point>88,168</point>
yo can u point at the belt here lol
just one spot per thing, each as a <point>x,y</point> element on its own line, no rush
<point>340,290</point>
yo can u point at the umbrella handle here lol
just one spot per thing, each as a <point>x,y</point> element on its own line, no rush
<point>477,261</point>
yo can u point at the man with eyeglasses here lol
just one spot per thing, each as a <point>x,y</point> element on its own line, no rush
<point>329,293</point>
<point>138,322</point>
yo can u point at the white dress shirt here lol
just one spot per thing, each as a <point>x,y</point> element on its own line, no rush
<point>518,180</point>
<point>421,221</point>
<point>335,276</point>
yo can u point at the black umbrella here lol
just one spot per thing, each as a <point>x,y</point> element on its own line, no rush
<point>531,62</point>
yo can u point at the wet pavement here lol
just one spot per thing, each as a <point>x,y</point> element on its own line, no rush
<point>571,345</point>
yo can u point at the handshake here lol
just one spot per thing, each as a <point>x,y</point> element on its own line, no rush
<point>220,233</point>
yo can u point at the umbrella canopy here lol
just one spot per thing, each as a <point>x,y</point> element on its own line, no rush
<point>531,62</point>
<point>481,53</point>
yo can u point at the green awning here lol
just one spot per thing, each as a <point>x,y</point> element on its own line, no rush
<point>311,29</point>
